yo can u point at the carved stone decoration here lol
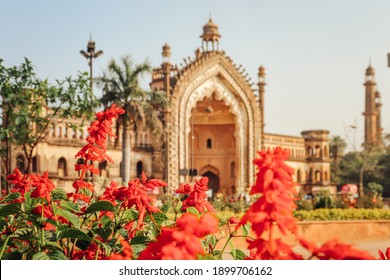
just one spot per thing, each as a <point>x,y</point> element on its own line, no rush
<point>213,74</point>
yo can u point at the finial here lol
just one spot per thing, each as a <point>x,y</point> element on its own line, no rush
<point>90,35</point>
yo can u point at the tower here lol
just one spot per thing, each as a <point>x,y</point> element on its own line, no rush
<point>262,84</point>
<point>317,158</point>
<point>372,115</point>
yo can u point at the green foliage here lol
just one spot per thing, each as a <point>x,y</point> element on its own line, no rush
<point>30,106</point>
<point>342,214</point>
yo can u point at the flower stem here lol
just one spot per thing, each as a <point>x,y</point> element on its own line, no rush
<point>3,247</point>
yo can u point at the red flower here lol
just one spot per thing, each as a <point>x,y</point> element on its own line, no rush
<point>19,182</point>
<point>333,250</point>
<point>136,194</point>
<point>197,196</point>
<point>273,249</point>
<point>274,182</point>
<point>96,149</point>
<point>182,242</point>
<point>383,256</point>
<point>43,186</point>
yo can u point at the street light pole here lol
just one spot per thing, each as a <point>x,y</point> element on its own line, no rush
<point>90,55</point>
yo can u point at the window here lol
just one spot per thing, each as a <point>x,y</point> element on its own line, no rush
<point>209,143</point>
<point>140,168</point>
<point>61,167</point>
<point>20,163</point>
<point>34,164</point>
<point>233,170</point>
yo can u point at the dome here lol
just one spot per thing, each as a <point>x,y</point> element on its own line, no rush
<point>261,71</point>
<point>166,52</point>
<point>370,71</point>
<point>210,31</point>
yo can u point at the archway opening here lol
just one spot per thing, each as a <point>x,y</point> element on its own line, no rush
<point>213,181</point>
<point>212,141</point>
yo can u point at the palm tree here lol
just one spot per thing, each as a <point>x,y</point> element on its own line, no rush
<point>121,85</point>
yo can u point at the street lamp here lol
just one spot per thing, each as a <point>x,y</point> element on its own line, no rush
<point>90,55</point>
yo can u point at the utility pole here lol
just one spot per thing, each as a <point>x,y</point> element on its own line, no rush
<point>90,55</point>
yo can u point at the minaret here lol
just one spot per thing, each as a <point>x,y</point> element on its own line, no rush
<point>166,68</point>
<point>378,106</point>
<point>372,129</point>
<point>262,84</point>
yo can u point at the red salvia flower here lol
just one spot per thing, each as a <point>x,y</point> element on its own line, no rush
<point>197,196</point>
<point>19,182</point>
<point>385,256</point>
<point>274,182</point>
<point>182,242</point>
<point>136,194</point>
<point>333,250</point>
<point>42,185</point>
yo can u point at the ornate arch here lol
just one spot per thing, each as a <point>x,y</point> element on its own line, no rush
<point>202,79</point>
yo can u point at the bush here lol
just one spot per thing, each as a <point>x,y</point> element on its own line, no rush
<point>342,214</point>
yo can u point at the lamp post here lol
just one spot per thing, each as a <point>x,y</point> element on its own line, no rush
<point>90,55</point>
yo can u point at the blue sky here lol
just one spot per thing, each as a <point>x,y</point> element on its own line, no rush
<point>315,52</point>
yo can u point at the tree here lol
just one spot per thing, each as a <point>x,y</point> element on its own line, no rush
<point>30,106</point>
<point>337,147</point>
<point>121,85</point>
<point>359,167</point>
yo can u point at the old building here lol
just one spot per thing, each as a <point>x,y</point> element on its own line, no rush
<point>214,128</point>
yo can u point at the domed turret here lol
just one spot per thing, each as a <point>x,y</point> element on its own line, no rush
<point>210,34</point>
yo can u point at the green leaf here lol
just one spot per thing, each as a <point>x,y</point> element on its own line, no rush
<point>74,219</point>
<point>104,233</point>
<point>139,240</point>
<point>59,194</point>
<point>75,234</point>
<point>159,217</point>
<point>233,250</point>
<point>138,248</point>
<point>10,209</point>
<point>193,210</point>
<point>100,206</point>
<point>165,208</point>
<point>245,229</point>
<point>240,255</point>
<point>11,197</point>
<point>106,221</point>
<point>57,255</point>
<point>41,256</point>
<point>70,206</point>
<point>213,240</point>
<point>53,245</point>
<point>13,256</point>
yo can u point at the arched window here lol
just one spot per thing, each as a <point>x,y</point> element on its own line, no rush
<point>209,143</point>
<point>80,161</point>
<point>318,152</point>
<point>318,176</point>
<point>326,151</point>
<point>140,168</point>
<point>326,176</point>
<point>35,164</point>
<point>20,163</point>
<point>59,131</point>
<point>233,169</point>
<point>311,175</point>
<point>299,176</point>
<point>61,169</point>
<point>103,168</point>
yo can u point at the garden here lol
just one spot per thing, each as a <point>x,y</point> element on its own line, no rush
<point>41,222</point>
